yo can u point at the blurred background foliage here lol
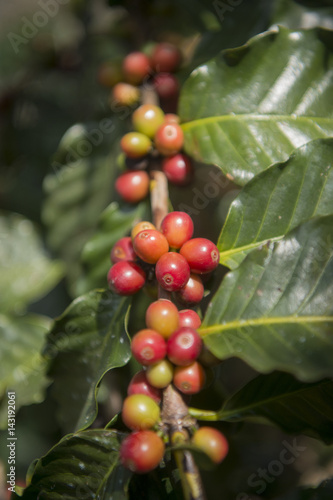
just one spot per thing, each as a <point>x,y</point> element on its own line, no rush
<point>48,83</point>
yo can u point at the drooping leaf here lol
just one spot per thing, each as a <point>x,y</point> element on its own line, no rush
<point>293,15</point>
<point>278,200</point>
<point>80,188</point>
<point>297,407</point>
<point>238,23</point>
<point>85,342</point>
<point>253,105</point>
<point>82,465</point>
<point>115,222</point>
<point>27,273</point>
<point>22,368</point>
<point>276,310</point>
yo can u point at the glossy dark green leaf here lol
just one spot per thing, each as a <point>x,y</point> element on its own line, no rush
<point>114,223</point>
<point>294,15</point>
<point>85,342</point>
<point>80,188</point>
<point>83,465</point>
<point>276,310</point>
<point>22,368</point>
<point>278,200</point>
<point>298,408</point>
<point>27,273</point>
<point>253,105</point>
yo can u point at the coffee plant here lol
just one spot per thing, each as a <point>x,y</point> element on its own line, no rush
<point>190,219</point>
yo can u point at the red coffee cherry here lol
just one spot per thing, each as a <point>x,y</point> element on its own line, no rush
<point>141,226</point>
<point>135,144</point>
<point>169,139</point>
<point>212,442</point>
<point>189,379</point>
<point>140,385</point>
<point>177,227</point>
<point>160,374</point>
<point>189,318</point>
<point>201,254</point>
<point>140,412</point>
<point>150,245</point>
<point>192,293</point>
<point>172,271</point>
<point>141,451</point>
<point>162,316</point>
<point>184,346</point>
<point>136,67</point>
<point>148,346</point>
<point>166,86</point>
<point>126,278</point>
<point>166,58</point>
<point>125,94</point>
<point>122,250</point>
<point>147,119</point>
<point>133,186</point>
<point>178,169</point>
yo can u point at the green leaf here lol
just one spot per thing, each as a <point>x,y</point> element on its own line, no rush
<point>278,200</point>
<point>295,16</point>
<point>298,408</point>
<point>115,222</point>
<point>22,368</point>
<point>27,273</point>
<point>275,310</point>
<point>80,188</point>
<point>83,465</point>
<point>85,342</point>
<point>252,106</point>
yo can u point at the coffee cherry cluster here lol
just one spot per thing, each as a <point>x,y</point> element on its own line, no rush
<point>155,133</point>
<point>176,259</point>
<point>139,70</point>
<point>168,349</point>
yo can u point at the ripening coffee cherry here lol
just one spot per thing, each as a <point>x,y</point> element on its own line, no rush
<point>192,293</point>
<point>148,346</point>
<point>147,119</point>
<point>125,94</point>
<point>162,316</point>
<point>184,346</point>
<point>122,250</point>
<point>133,186</point>
<point>172,271</point>
<point>126,278</point>
<point>140,412</point>
<point>177,227</point>
<point>150,245</point>
<point>189,379</point>
<point>178,169</point>
<point>160,374</point>
<point>169,139</point>
<point>136,67</point>
<point>171,118</point>
<point>141,226</point>
<point>189,318</point>
<point>109,74</point>
<point>212,442</point>
<point>166,58</point>
<point>201,254</point>
<point>135,144</point>
<point>140,385</point>
<point>141,451</point>
<point>166,86</point>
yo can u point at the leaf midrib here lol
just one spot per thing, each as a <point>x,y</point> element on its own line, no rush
<point>252,116</point>
<point>244,248</point>
<point>242,323</point>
